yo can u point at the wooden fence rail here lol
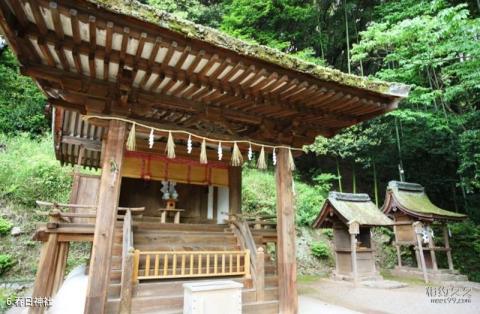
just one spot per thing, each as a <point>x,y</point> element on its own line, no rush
<point>126,287</point>
<point>185,264</point>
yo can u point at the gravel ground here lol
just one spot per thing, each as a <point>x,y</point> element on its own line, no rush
<point>311,305</point>
<point>328,296</point>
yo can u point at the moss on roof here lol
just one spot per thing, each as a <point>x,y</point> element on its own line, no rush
<point>413,198</point>
<point>357,207</point>
<point>191,30</point>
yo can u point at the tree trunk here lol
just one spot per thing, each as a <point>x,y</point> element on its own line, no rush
<point>346,35</point>
<point>339,175</point>
<point>400,165</point>
<point>375,183</point>
<point>354,178</point>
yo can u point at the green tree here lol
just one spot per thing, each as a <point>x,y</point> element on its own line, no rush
<point>433,46</point>
<point>278,24</point>
<point>21,102</point>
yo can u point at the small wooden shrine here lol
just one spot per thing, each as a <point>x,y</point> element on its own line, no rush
<point>147,97</point>
<point>414,215</point>
<point>351,216</point>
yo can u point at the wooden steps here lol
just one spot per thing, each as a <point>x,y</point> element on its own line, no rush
<point>166,296</point>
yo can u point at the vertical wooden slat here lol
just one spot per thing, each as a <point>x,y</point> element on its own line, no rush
<point>223,263</point>
<point>156,265</point>
<point>208,264</point>
<point>238,262</point>
<point>147,265</point>
<point>231,264</point>
<point>165,264</point>
<point>191,264</point>
<point>136,263</point>
<point>215,263</point>
<point>183,265</point>
<point>199,263</point>
<point>174,267</point>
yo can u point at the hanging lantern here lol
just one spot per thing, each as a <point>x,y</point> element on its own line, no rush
<point>274,157</point>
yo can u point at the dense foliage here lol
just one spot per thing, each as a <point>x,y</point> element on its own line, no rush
<point>258,195</point>
<point>465,245</point>
<point>320,250</point>
<point>5,226</point>
<point>434,47</point>
<point>6,262</point>
<point>21,103</point>
<point>29,171</point>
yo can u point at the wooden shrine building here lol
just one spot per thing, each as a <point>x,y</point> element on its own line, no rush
<point>168,110</point>
<point>414,216</point>
<point>351,217</point>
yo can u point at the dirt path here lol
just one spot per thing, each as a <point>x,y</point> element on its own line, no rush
<point>408,300</point>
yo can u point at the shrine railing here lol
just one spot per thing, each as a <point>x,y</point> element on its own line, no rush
<point>189,264</point>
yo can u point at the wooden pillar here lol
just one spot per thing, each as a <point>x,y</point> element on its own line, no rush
<point>417,227</point>
<point>374,251</point>
<point>126,290</point>
<point>60,266</point>
<point>431,246</point>
<point>99,272</point>
<point>353,242</point>
<point>399,256</point>
<point>286,257</point>
<point>260,274</point>
<point>447,246</point>
<point>45,271</point>
<point>417,252</point>
<point>354,229</point>
<point>235,189</point>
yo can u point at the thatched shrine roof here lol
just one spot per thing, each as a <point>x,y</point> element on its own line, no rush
<point>350,207</point>
<point>411,199</point>
<point>125,59</point>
